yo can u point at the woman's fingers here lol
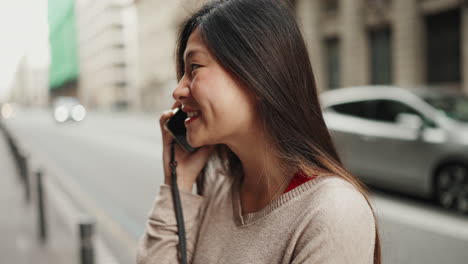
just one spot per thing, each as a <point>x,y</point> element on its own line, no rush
<point>166,115</point>
<point>189,164</point>
<point>176,104</point>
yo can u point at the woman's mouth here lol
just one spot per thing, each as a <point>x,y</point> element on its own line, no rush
<point>191,116</point>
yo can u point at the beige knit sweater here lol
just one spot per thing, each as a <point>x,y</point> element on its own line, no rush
<point>325,220</point>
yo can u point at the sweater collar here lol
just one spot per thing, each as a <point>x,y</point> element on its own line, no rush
<point>250,218</point>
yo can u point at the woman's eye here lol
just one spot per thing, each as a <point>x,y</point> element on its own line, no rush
<point>194,66</point>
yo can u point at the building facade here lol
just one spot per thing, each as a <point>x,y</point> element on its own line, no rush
<point>107,41</point>
<point>402,42</point>
<point>30,85</point>
<point>30,82</point>
<point>351,42</point>
<point>159,22</point>
<point>63,70</point>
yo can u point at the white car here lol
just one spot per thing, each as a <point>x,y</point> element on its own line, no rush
<point>67,108</point>
<point>409,140</point>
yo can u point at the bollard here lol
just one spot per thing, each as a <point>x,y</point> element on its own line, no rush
<point>86,226</point>
<point>20,162</point>
<point>13,148</point>
<point>12,145</point>
<point>27,181</point>
<point>41,208</point>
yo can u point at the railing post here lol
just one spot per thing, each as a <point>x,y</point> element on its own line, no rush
<point>27,181</point>
<point>42,224</point>
<point>86,227</point>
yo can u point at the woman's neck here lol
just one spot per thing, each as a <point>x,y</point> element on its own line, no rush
<point>265,177</point>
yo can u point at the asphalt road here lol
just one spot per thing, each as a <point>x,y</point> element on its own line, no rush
<point>116,159</point>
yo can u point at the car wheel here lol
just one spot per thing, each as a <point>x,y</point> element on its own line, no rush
<point>452,187</point>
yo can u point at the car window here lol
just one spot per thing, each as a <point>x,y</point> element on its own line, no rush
<point>379,110</point>
<point>388,110</point>
<point>357,109</point>
<point>453,106</point>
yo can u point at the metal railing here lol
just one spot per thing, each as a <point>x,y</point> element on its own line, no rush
<point>86,226</point>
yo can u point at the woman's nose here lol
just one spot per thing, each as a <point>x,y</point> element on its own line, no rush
<point>182,91</point>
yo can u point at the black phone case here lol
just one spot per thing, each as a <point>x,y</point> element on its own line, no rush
<point>177,128</point>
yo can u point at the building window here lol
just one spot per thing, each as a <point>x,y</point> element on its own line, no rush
<point>333,62</point>
<point>443,50</point>
<point>330,6</point>
<point>378,4</point>
<point>380,56</point>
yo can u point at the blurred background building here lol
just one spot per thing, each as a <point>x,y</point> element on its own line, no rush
<point>107,41</point>
<point>24,53</point>
<point>63,69</point>
<point>401,42</point>
<point>120,53</point>
<point>30,84</point>
<point>351,42</point>
<point>159,21</point>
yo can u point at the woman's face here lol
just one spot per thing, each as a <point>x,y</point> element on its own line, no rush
<point>220,109</point>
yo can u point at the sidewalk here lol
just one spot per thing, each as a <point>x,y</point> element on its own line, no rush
<point>19,242</point>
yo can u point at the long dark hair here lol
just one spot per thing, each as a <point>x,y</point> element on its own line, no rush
<point>259,43</point>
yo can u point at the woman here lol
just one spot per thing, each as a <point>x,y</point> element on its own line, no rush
<point>270,185</point>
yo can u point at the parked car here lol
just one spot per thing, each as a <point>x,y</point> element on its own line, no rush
<point>410,140</point>
<point>67,108</point>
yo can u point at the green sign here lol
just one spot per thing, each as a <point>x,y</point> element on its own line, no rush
<point>63,43</point>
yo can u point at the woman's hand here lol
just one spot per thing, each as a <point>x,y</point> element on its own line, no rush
<point>189,165</point>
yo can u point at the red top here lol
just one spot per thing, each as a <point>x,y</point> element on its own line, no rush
<point>298,179</point>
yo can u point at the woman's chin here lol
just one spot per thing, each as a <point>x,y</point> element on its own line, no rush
<point>194,142</point>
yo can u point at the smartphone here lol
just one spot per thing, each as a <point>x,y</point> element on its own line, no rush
<point>176,126</point>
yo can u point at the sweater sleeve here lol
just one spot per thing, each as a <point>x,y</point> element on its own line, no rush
<point>159,243</point>
<point>343,232</point>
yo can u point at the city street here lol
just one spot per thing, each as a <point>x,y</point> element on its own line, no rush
<point>115,159</point>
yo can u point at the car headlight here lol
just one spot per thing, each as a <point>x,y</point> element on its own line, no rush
<point>78,113</point>
<point>61,114</point>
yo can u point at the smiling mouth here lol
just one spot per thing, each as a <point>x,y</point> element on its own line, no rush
<point>192,115</point>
